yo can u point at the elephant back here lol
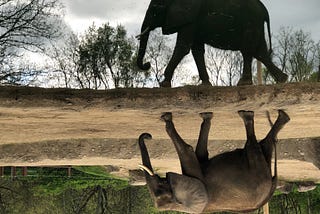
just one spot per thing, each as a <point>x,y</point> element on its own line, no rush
<point>179,13</point>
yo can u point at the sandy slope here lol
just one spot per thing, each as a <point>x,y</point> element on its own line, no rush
<point>32,120</point>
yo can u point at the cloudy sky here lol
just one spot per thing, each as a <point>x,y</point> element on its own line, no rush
<point>301,14</point>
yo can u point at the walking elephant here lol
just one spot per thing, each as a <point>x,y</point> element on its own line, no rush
<point>239,181</point>
<point>224,24</point>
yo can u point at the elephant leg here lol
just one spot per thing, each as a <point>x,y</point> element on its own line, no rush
<point>252,149</point>
<point>264,56</point>
<point>182,48</point>
<point>198,55</point>
<point>268,142</point>
<point>247,117</point>
<point>202,145</point>
<point>246,77</point>
<point>188,160</point>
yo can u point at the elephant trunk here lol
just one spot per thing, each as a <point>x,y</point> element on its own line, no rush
<point>154,182</point>
<point>146,164</point>
<point>144,152</point>
<point>143,37</point>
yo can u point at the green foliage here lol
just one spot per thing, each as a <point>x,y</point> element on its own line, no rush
<point>296,202</point>
<point>89,176</point>
<point>106,57</point>
<point>55,186</point>
<point>93,170</point>
<point>314,77</point>
<point>96,195</point>
<point>297,54</point>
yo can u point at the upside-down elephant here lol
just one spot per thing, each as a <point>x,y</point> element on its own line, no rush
<point>224,24</point>
<point>238,181</point>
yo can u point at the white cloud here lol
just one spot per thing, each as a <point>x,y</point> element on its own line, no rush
<point>82,13</point>
<point>295,13</point>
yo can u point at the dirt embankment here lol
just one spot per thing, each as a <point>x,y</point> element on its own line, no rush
<point>86,127</point>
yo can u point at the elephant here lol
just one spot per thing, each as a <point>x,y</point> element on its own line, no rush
<point>235,181</point>
<point>225,24</point>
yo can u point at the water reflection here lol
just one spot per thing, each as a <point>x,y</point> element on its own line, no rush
<point>92,190</point>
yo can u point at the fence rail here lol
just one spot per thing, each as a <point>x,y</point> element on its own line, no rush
<point>24,170</point>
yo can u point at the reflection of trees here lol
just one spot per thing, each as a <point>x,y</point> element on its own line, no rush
<point>88,194</point>
<point>105,200</point>
<point>288,204</point>
<point>94,196</point>
<point>5,192</point>
<point>296,203</point>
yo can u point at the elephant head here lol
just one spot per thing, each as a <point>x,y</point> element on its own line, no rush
<point>175,191</point>
<point>170,15</point>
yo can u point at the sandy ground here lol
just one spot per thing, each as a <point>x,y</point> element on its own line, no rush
<point>85,127</point>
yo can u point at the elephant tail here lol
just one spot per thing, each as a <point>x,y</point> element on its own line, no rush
<point>275,176</point>
<point>312,153</point>
<point>269,33</point>
<point>267,20</point>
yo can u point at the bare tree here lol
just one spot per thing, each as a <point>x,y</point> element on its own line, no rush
<point>282,53</point>
<point>234,66</point>
<point>295,53</point>
<point>302,57</point>
<point>25,25</point>
<point>215,62</point>
<point>224,67</point>
<point>64,56</point>
<point>159,52</point>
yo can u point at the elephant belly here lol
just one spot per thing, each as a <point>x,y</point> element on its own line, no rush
<point>233,185</point>
<point>224,197</point>
<point>224,36</point>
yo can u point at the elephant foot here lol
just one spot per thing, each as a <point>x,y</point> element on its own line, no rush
<point>165,84</point>
<point>283,116</point>
<point>281,77</point>
<point>206,115</point>
<point>206,83</point>
<point>166,116</point>
<point>246,115</point>
<point>245,81</point>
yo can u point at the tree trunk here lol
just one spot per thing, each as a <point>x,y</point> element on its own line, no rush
<point>24,171</point>
<point>259,72</point>
<point>319,73</point>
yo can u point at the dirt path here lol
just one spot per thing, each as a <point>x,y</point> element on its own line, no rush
<point>39,118</point>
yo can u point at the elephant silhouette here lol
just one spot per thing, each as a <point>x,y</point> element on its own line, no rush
<point>224,24</point>
<point>238,181</point>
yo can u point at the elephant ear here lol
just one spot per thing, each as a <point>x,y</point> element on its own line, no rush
<point>179,13</point>
<point>190,193</point>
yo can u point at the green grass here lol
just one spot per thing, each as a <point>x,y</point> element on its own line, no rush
<point>98,171</point>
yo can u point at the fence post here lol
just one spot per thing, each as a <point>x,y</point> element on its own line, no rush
<point>266,208</point>
<point>1,171</point>
<point>69,171</point>
<point>13,172</point>
<point>24,171</point>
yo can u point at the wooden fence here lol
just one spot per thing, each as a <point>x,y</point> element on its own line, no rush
<point>24,170</point>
